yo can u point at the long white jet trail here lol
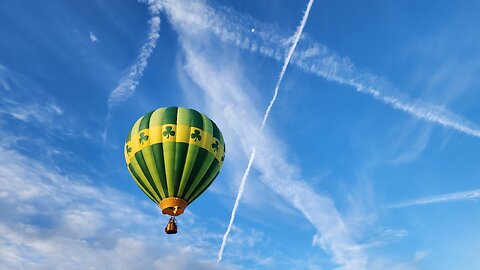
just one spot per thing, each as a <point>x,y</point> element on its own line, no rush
<point>317,59</point>
<point>127,85</point>
<point>296,38</point>
<point>458,196</point>
<point>237,201</point>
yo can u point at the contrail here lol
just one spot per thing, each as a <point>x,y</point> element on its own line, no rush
<point>458,196</point>
<point>317,59</point>
<point>127,85</point>
<point>296,38</point>
<point>418,109</point>
<point>234,211</point>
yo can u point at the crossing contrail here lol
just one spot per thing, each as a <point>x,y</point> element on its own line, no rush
<point>458,196</point>
<point>316,59</point>
<point>235,206</point>
<point>296,38</point>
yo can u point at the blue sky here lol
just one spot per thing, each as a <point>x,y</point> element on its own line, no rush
<point>367,160</point>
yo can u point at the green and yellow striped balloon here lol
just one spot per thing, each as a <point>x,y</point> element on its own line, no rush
<point>174,154</point>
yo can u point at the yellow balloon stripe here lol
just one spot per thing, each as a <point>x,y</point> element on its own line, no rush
<point>173,133</point>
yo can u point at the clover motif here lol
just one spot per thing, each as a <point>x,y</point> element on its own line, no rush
<point>128,148</point>
<point>215,146</point>
<point>143,138</point>
<point>168,132</point>
<point>196,135</point>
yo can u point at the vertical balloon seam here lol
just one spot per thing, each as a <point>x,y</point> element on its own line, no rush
<point>209,177</point>
<point>209,184</point>
<point>147,153</point>
<point>135,162</point>
<point>157,149</point>
<point>169,148</point>
<point>136,168</point>
<point>140,184</point>
<point>181,148</point>
<point>199,169</point>
<point>158,153</point>
<point>139,156</point>
<point>202,158</point>
<point>192,151</point>
<point>206,164</point>
<point>208,156</point>
<point>143,166</point>
<point>198,184</point>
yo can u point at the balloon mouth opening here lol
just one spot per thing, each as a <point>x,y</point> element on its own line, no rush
<point>173,206</point>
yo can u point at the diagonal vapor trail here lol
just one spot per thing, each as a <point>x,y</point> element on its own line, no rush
<point>321,61</point>
<point>128,84</point>
<point>235,206</point>
<point>296,38</point>
<point>458,196</point>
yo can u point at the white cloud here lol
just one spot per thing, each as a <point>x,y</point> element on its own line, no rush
<point>296,38</point>
<point>420,255</point>
<point>452,197</point>
<point>227,24</point>
<point>225,97</point>
<point>29,105</point>
<point>92,37</point>
<point>30,112</point>
<point>51,220</point>
<point>4,78</point>
<point>235,113</point>
<point>128,84</point>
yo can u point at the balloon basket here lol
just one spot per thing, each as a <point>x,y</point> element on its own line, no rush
<point>171,226</point>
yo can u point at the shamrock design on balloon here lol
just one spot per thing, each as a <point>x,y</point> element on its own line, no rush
<point>128,148</point>
<point>143,138</point>
<point>168,132</point>
<point>215,146</point>
<point>196,135</point>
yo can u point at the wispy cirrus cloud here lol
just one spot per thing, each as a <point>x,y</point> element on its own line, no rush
<point>235,113</point>
<point>230,27</point>
<point>227,100</point>
<point>51,219</point>
<point>451,197</point>
<point>4,78</point>
<point>128,84</point>
<point>23,101</point>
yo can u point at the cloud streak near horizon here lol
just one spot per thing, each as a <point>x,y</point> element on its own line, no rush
<point>452,197</point>
<point>296,38</point>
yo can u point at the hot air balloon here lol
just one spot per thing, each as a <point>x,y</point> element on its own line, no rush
<point>174,154</point>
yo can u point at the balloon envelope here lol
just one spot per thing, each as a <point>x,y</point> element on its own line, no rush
<point>174,154</point>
